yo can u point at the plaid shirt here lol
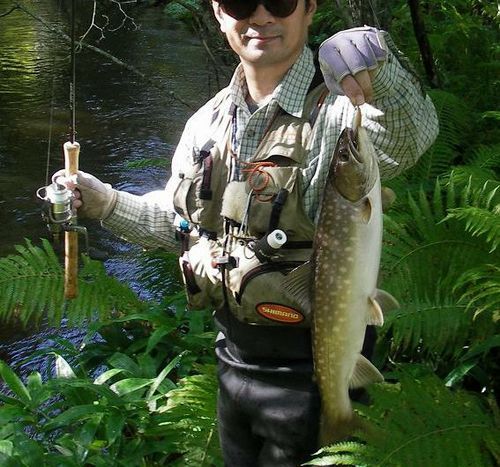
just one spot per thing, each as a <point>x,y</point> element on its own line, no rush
<point>401,121</point>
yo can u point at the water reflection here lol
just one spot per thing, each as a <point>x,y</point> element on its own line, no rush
<point>120,117</point>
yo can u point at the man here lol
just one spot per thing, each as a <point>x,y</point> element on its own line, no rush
<point>250,165</point>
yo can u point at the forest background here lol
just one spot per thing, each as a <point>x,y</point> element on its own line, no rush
<point>141,389</point>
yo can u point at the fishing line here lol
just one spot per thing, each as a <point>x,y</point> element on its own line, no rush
<point>375,17</point>
<point>51,120</point>
<point>51,114</point>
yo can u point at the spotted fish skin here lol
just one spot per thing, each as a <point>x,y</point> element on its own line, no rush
<point>345,265</point>
<point>340,282</point>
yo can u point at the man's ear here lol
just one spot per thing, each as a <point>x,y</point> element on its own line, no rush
<point>313,5</point>
<point>219,16</point>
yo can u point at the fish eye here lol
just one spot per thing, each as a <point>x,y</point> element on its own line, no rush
<point>344,156</point>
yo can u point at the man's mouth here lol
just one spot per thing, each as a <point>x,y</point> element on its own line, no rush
<point>261,39</point>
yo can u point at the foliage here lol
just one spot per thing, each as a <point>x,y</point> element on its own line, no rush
<point>32,282</point>
<point>190,410</point>
<point>427,253</point>
<point>142,389</point>
<point>132,412</point>
<point>419,422</point>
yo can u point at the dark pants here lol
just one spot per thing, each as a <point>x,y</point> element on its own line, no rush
<point>267,419</point>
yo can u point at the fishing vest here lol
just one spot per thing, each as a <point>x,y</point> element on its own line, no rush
<point>223,264</point>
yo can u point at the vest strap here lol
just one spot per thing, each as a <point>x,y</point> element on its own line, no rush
<point>278,204</point>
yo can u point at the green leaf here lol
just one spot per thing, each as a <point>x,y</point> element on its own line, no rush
<point>102,378</point>
<point>14,382</point>
<point>156,337</point>
<point>12,414</point>
<point>114,426</point>
<point>124,362</point>
<point>161,377</point>
<point>6,447</point>
<point>129,385</point>
<point>458,373</point>
<point>75,414</point>
<point>63,368</point>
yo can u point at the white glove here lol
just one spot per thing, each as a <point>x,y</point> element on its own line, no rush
<point>94,199</point>
<point>201,257</point>
<point>350,52</point>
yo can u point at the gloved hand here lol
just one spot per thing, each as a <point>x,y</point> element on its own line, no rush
<point>93,198</point>
<point>347,60</point>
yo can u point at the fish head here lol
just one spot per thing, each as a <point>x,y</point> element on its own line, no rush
<point>354,168</point>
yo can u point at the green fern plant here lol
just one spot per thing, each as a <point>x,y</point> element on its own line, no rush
<point>426,253</point>
<point>480,211</point>
<point>109,404</point>
<point>418,422</point>
<point>191,410</point>
<point>31,288</point>
<point>481,290</point>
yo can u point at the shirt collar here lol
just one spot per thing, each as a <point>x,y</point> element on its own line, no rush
<point>291,92</point>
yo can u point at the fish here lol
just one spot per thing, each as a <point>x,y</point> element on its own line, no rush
<point>338,286</point>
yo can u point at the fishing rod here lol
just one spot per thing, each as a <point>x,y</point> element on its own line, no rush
<point>71,157</point>
<point>59,212</point>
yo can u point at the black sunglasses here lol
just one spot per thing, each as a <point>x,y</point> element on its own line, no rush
<point>243,9</point>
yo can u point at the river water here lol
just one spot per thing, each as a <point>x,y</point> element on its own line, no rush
<point>120,118</point>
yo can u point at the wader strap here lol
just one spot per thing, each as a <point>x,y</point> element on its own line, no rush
<point>207,162</point>
<point>278,204</point>
<point>299,245</point>
<point>317,107</point>
<point>189,278</point>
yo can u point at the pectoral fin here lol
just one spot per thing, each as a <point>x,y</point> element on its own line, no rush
<point>386,301</point>
<point>297,285</point>
<point>375,317</point>
<point>364,374</point>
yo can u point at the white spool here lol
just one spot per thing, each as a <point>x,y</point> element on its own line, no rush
<point>276,239</point>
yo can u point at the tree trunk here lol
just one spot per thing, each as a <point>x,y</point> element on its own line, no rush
<point>423,43</point>
<point>363,13</point>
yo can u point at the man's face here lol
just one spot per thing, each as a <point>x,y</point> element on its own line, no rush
<point>264,40</point>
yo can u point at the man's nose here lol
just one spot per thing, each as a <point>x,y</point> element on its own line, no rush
<point>261,15</point>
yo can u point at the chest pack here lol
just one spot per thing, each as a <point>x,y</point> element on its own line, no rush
<point>228,260</point>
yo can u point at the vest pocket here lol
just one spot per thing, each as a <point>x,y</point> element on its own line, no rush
<point>197,195</point>
<point>260,299</point>
<point>278,204</point>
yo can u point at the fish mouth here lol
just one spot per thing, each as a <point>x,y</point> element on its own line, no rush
<point>353,146</point>
<point>349,147</point>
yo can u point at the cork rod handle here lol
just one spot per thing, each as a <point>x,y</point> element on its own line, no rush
<point>71,155</point>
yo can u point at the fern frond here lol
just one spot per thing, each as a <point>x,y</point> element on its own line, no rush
<point>31,287</point>
<point>418,422</point>
<point>486,157</point>
<point>428,328</point>
<point>190,418</point>
<point>425,254</point>
<point>481,288</point>
<point>480,222</point>
<point>480,211</point>
<point>344,453</point>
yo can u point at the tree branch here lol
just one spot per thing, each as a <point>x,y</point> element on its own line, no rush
<point>99,51</point>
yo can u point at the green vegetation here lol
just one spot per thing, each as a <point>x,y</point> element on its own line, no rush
<point>141,391</point>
